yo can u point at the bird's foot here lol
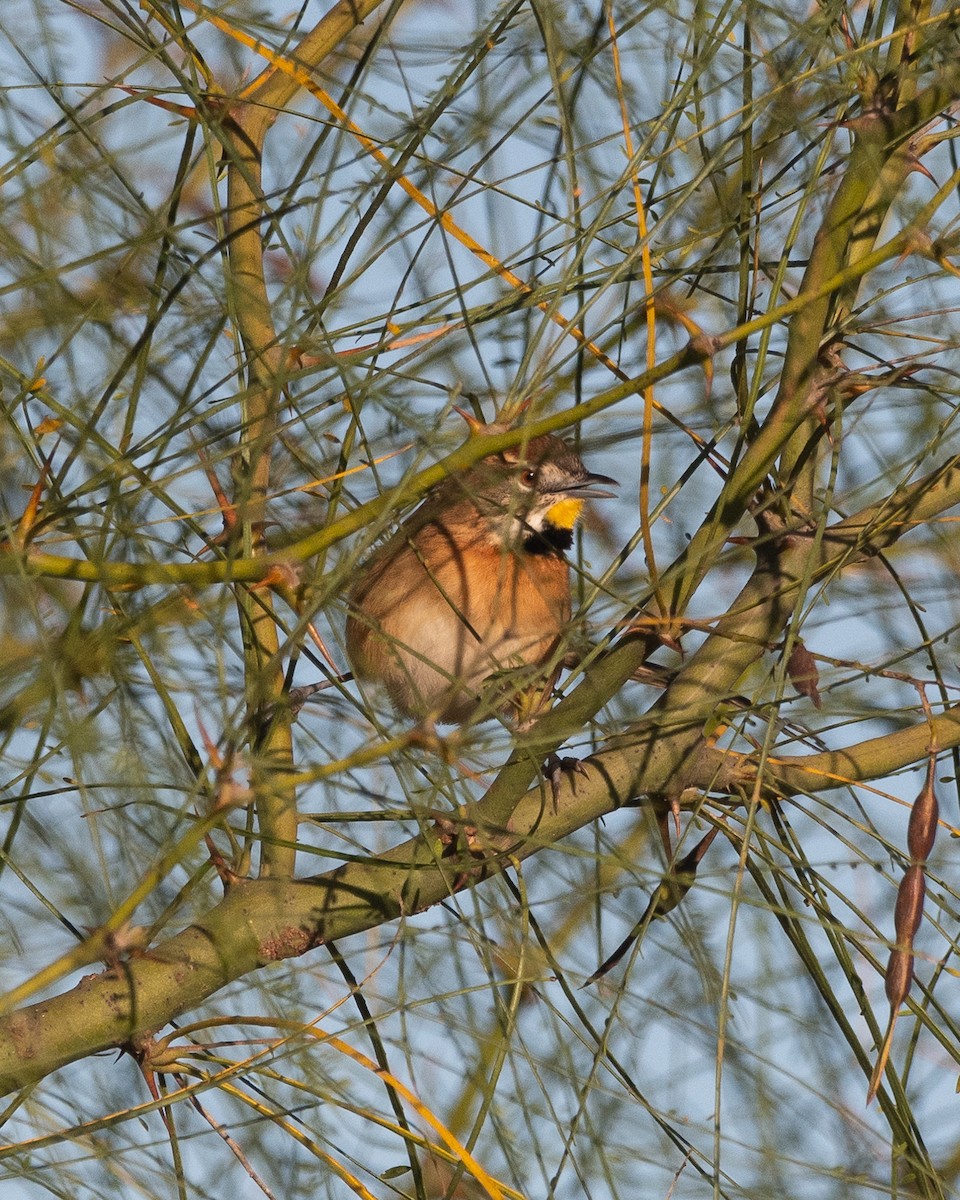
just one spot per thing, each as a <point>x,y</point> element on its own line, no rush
<point>297,697</point>
<point>555,768</point>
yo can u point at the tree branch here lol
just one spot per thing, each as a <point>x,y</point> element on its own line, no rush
<point>266,920</point>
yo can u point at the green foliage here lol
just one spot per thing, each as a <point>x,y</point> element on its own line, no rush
<point>253,262</point>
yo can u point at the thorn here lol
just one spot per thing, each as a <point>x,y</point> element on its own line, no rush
<point>664,827</point>
<point>914,164</point>
<point>476,427</point>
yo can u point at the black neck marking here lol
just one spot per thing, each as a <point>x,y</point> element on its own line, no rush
<point>552,539</point>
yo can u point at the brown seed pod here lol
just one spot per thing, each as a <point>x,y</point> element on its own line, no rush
<point>922,830</point>
<point>909,909</point>
<point>898,978</point>
<point>921,834</point>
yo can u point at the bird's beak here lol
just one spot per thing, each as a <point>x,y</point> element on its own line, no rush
<point>586,488</point>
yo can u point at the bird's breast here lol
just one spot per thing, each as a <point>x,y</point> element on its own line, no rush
<point>436,615</point>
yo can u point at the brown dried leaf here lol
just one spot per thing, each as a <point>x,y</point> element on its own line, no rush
<point>802,669</point>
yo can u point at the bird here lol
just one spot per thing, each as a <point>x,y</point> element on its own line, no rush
<point>473,588</point>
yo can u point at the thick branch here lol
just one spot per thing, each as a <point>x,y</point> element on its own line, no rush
<point>259,922</point>
<point>872,759</point>
<point>265,921</point>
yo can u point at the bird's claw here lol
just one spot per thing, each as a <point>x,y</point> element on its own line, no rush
<point>555,768</point>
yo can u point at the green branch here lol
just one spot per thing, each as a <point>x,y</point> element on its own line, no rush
<point>266,920</point>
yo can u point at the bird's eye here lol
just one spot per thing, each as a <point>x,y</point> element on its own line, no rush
<point>529,477</point>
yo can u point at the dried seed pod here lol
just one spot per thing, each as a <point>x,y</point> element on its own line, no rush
<point>896,983</point>
<point>921,834</point>
<point>898,978</point>
<point>909,908</point>
<point>922,830</point>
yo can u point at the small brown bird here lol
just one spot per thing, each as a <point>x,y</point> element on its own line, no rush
<point>472,584</point>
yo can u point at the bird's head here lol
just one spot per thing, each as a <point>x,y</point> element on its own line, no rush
<point>533,495</point>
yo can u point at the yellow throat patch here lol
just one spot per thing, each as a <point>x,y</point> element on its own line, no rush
<point>564,514</point>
